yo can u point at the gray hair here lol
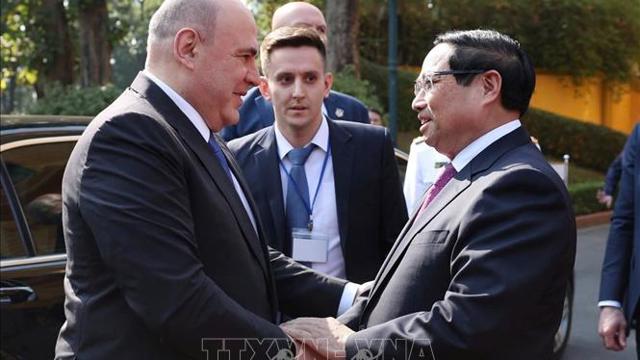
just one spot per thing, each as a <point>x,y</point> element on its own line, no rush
<point>174,15</point>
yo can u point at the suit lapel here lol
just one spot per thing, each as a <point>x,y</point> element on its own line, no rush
<point>342,157</point>
<point>266,159</point>
<point>452,190</point>
<point>256,215</point>
<point>192,138</point>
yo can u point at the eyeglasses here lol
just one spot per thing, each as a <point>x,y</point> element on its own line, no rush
<point>426,82</point>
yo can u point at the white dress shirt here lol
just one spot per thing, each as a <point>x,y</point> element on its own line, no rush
<point>472,150</point>
<point>325,212</point>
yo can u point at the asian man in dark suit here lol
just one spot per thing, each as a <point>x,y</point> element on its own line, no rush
<point>166,255</point>
<point>481,269</point>
<point>257,112</point>
<point>620,282</point>
<point>354,195</point>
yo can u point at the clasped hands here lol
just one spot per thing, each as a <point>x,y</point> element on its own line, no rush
<point>318,338</point>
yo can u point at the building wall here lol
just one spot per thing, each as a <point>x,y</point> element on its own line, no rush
<point>591,101</point>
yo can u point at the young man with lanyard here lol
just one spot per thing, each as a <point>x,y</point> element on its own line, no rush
<point>328,191</point>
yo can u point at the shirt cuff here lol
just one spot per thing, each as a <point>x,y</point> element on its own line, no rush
<point>611,303</point>
<point>348,295</point>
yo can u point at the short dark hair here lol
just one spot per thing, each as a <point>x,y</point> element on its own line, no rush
<point>290,36</point>
<point>491,50</point>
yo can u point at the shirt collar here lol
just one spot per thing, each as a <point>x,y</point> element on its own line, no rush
<point>320,139</point>
<point>472,150</point>
<point>183,105</point>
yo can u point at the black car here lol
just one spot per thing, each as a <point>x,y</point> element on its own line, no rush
<point>34,151</point>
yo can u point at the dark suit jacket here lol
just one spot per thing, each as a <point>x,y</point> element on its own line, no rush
<point>613,176</point>
<point>257,113</point>
<point>161,252</point>
<point>369,197</point>
<point>482,273</point>
<point>621,270</point>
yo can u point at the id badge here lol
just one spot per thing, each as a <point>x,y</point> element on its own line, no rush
<point>309,246</point>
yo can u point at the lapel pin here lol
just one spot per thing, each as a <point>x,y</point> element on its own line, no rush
<point>339,112</point>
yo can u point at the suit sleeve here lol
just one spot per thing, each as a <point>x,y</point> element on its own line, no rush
<point>352,316</point>
<point>302,291</point>
<point>617,259</point>
<point>613,175</point>
<point>521,218</point>
<point>134,201</point>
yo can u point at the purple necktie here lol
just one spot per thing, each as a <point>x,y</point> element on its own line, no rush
<point>442,180</point>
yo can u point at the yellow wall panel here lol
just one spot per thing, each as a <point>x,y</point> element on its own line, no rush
<point>558,95</point>
<point>590,101</point>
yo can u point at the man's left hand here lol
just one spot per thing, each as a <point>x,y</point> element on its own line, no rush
<point>325,336</point>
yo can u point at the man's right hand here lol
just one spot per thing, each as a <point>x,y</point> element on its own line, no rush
<point>604,198</point>
<point>612,328</point>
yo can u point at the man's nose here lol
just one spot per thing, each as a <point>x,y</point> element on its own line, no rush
<point>298,88</point>
<point>418,103</point>
<point>253,77</point>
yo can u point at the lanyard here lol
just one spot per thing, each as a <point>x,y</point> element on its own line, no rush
<point>308,207</point>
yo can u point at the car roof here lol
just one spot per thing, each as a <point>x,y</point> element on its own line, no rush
<point>16,127</point>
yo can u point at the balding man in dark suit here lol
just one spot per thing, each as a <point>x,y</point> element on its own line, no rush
<point>166,255</point>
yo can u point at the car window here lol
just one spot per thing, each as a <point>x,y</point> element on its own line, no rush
<point>10,242</point>
<point>36,172</point>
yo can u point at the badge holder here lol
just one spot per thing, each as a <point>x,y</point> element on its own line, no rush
<point>309,246</point>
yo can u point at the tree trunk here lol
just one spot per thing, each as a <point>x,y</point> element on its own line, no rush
<point>95,47</point>
<point>57,62</point>
<point>342,20</point>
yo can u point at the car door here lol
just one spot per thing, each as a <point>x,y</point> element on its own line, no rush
<point>32,253</point>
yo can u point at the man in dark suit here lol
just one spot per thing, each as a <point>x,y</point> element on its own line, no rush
<point>166,256</point>
<point>620,283</point>
<point>352,183</point>
<point>257,112</point>
<point>481,269</point>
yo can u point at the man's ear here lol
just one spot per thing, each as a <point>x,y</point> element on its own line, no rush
<point>328,82</point>
<point>263,86</point>
<point>491,82</point>
<point>186,44</point>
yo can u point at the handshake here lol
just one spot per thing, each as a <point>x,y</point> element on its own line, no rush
<point>318,338</point>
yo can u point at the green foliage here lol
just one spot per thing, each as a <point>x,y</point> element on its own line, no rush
<point>29,47</point>
<point>588,145</point>
<point>16,47</point>
<point>583,196</point>
<point>579,174</point>
<point>347,82</point>
<point>377,76</point>
<point>74,100</point>
<point>575,37</point>
<point>130,52</point>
